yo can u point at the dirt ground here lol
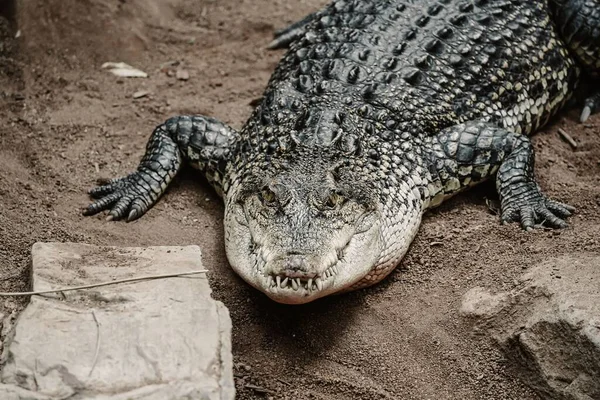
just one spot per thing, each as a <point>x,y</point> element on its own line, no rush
<point>65,122</point>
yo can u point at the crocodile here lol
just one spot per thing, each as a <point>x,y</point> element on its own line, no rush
<point>378,111</point>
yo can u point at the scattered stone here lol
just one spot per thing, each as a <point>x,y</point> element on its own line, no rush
<point>141,93</point>
<point>156,339</point>
<point>168,65</point>
<point>549,326</point>
<point>124,70</point>
<point>182,75</point>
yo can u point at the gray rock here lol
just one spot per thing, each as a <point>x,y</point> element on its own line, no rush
<point>549,326</point>
<point>153,340</point>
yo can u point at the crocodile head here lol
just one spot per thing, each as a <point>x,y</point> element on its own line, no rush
<point>303,229</point>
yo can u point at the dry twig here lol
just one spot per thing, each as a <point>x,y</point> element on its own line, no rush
<point>94,285</point>
<point>259,389</point>
<point>563,134</point>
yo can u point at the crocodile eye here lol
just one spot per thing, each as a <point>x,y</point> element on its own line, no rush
<point>333,200</point>
<point>267,196</point>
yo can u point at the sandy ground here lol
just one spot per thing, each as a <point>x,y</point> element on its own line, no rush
<point>65,122</point>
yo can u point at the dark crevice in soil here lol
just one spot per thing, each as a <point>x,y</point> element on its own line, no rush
<point>11,73</point>
<point>8,10</point>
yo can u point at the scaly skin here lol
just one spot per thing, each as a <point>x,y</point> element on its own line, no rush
<point>379,111</point>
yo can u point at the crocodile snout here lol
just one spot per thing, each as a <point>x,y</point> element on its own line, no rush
<point>294,266</point>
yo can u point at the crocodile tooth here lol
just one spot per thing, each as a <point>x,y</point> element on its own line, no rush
<point>269,281</point>
<point>295,283</point>
<point>262,254</point>
<point>319,283</point>
<point>310,283</point>
<point>284,282</point>
<point>278,281</point>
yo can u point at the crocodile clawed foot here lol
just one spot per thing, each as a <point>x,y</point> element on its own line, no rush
<point>529,206</point>
<point>127,198</point>
<point>591,106</point>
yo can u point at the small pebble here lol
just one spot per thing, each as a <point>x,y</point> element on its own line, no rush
<point>182,75</point>
<point>141,93</point>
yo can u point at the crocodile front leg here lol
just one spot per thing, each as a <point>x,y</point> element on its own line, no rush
<point>204,142</point>
<point>466,154</point>
<point>578,22</point>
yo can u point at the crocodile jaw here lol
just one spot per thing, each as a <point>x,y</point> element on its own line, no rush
<point>333,274</point>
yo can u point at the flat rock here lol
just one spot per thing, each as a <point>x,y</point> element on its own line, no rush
<point>549,326</point>
<point>160,339</point>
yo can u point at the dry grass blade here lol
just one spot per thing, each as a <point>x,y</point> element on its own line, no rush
<point>127,280</point>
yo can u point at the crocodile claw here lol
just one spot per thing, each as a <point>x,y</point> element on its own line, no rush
<point>585,114</point>
<point>127,198</point>
<point>591,106</point>
<point>532,208</point>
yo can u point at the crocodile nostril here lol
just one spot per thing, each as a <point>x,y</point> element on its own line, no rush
<point>295,263</point>
<point>294,266</point>
<point>302,266</point>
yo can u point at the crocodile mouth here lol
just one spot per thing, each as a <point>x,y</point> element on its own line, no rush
<point>282,285</point>
<point>289,288</point>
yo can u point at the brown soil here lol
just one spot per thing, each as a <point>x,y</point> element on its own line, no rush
<point>66,122</point>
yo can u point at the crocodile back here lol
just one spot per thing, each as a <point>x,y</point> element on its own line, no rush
<point>390,70</point>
